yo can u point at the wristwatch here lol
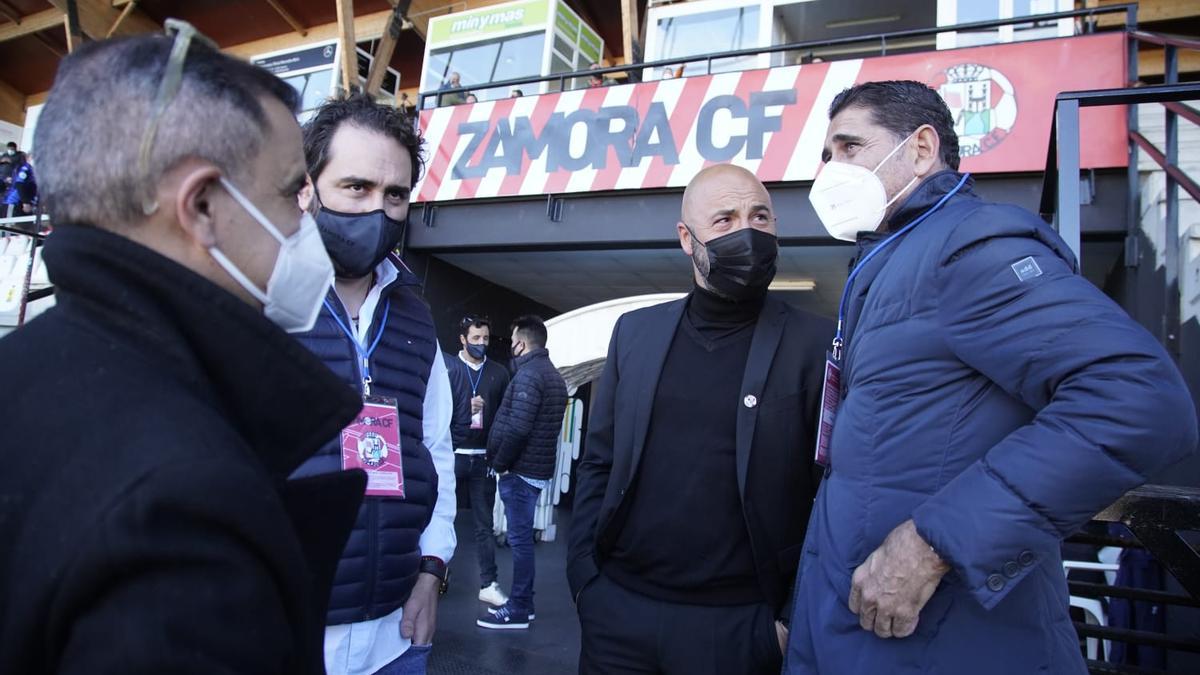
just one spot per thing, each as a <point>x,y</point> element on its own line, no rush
<point>438,568</point>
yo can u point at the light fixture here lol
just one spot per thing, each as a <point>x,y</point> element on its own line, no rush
<point>865,21</point>
<point>793,285</point>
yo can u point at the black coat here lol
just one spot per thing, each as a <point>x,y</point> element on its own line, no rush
<point>524,436</point>
<point>147,526</point>
<point>492,383</point>
<point>776,437</point>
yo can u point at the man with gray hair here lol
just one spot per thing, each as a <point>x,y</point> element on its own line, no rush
<point>157,410</point>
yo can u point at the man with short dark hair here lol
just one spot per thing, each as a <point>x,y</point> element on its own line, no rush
<point>478,384</point>
<point>523,449</point>
<point>992,400</point>
<point>157,410</point>
<point>376,333</point>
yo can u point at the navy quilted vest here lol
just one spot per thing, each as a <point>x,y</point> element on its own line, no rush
<point>380,564</point>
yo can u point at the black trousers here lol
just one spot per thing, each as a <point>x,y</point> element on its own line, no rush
<point>473,470</point>
<point>626,632</point>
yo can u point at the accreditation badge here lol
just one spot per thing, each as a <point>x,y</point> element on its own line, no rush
<point>372,443</point>
<point>831,398</point>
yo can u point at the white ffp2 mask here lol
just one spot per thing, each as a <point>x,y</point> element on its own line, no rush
<point>849,198</point>
<point>301,277</point>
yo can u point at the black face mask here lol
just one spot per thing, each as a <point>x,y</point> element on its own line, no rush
<point>477,351</point>
<point>741,264</point>
<point>357,242</point>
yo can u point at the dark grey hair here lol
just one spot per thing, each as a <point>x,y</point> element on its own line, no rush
<point>901,106</point>
<point>90,131</point>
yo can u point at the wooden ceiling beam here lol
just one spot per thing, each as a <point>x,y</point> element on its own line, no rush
<point>349,48</point>
<point>292,21</point>
<point>387,46</point>
<point>10,12</point>
<point>96,17</point>
<point>43,20</point>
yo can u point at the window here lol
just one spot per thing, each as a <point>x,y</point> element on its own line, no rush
<point>486,62</point>
<point>701,34</point>
<point>951,12</point>
<point>314,88</point>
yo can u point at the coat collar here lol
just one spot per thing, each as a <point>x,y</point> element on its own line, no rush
<point>928,192</point>
<point>539,353</point>
<point>274,392</point>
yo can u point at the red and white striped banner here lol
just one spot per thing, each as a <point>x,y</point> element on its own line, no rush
<point>773,122</point>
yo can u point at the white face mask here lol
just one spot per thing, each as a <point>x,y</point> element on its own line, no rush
<point>301,277</point>
<point>849,198</point>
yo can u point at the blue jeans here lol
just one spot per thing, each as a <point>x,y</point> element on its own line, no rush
<point>472,470</point>
<point>411,662</point>
<point>520,499</point>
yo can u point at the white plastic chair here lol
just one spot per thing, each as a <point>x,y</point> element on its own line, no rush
<point>1093,608</point>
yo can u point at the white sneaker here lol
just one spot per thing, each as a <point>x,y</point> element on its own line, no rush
<point>492,595</point>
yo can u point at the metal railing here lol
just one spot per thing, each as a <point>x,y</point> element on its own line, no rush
<point>1060,188</point>
<point>881,39</point>
<point>14,226</point>
<point>1155,516</point>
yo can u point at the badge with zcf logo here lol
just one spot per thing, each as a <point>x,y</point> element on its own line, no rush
<point>372,443</point>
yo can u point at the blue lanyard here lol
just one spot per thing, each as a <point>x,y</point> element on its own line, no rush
<point>475,380</point>
<point>364,357</point>
<point>837,340</point>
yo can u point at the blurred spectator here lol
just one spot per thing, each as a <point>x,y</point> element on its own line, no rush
<point>21,196</point>
<point>472,98</point>
<point>668,73</point>
<point>516,93</point>
<point>406,105</point>
<point>453,98</point>
<point>597,79</point>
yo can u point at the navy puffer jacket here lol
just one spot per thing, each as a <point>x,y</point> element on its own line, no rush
<point>524,437</point>
<point>379,567</point>
<point>999,400</point>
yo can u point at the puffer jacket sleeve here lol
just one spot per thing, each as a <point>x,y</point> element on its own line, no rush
<point>515,419</point>
<point>1112,408</point>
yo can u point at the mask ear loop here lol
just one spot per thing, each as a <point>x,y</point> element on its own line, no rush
<point>167,89</point>
<point>889,156</point>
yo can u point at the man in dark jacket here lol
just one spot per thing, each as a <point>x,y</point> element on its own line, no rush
<point>992,400</point>
<point>697,476</point>
<point>154,413</point>
<point>522,449</point>
<point>478,384</point>
<point>376,333</point>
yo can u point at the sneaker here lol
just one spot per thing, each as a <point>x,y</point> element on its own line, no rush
<point>493,611</point>
<point>492,595</point>
<point>504,618</point>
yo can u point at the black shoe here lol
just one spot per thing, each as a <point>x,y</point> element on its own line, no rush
<point>503,618</point>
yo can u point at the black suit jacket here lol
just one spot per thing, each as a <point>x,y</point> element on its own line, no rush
<point>776,436</point>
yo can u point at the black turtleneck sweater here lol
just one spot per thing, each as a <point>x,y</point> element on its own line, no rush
<point>684,536</point>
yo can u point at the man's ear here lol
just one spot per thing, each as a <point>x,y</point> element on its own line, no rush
<point>305,197</point>
<point>685,238</point>
<point>929,151</point>
<point>198,183</point>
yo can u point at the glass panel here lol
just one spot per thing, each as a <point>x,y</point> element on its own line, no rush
<point>718,31</point>
<point>563,46</point>
<point>483,63</point>
<point>313,88</point>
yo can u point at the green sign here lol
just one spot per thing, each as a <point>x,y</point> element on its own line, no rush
<point>566,22</point>
<point>590,44</point>
<point>481,23</point>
